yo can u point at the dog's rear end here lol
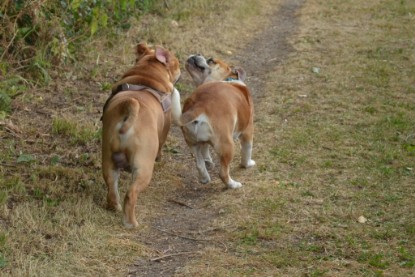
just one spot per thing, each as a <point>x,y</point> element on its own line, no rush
<point>116,138</point>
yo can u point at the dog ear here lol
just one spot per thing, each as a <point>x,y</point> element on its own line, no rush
<point>240,72</point>
<point>162,55</point>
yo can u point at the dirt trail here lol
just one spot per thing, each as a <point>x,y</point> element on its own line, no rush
<point>185,227</point>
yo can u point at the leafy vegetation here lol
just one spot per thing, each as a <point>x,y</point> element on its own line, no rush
<point>38,36</point>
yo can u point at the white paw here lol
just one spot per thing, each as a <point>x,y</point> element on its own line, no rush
<point>233,184</point>
<point>250,163</point>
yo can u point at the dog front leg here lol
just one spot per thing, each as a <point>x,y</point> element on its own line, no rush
<point>204,177</point>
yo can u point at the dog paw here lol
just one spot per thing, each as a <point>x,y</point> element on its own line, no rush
<point>234,185</point>
<point>205,180</point>
<point>250,163</point>
<point>130,225</point>
<point>114,207</point>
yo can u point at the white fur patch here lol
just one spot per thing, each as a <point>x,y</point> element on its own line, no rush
<point>239,82</point>
<point>202,129</point>
<point>123,137</point>
<point>116,176</point>
<point>235,134</point>
<point>176,109</point>
<point>232,184</point>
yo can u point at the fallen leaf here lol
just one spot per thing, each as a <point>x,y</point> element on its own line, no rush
<point>25,158</point>
<point>315,70</point>
<point>362,219</point>
<point>174,23</point>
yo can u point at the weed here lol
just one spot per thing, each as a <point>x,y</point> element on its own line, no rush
<point>76,134</point>
<point>406,258</point>
<point>106,86</point>
<point>13,184</point>
<point>5,102</point>
<point>250,238</point>
<point>55,160</point>
<point>3,261</point>
<point>317,273</point>
<point>26,158</point>
<point>3,197</point>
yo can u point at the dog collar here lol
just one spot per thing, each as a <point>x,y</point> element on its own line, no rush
<point>230,79</point>
<point>163,98</point>
<point>234,81</point>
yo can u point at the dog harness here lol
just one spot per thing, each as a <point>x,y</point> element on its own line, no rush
<point>163,98</point>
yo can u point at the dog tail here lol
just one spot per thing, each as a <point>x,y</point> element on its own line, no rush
<point>176,108</point>
<point>130,109</point>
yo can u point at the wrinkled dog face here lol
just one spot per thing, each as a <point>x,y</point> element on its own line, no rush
<point>205,70</point>
<point>198,68</point>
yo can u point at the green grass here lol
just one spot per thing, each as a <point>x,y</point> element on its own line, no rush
<point>77,133</point>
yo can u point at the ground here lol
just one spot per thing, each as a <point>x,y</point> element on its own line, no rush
<point>331,194</point>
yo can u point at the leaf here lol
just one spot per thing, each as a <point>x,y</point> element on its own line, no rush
<point>25,158</point>
<point>94,26</point>
<point>94,21</point>
<point>316,70</point>
<point>103,20</point>
<point>362,219</point>
<point>123,4</point>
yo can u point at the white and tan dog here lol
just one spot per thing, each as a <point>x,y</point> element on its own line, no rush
<point>217,112</point>
<point>136,121</point>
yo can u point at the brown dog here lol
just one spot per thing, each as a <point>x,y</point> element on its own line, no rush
<point>217,112</point>
<point>136,121</point>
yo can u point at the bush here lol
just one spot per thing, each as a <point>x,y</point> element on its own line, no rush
<point>38,34</point>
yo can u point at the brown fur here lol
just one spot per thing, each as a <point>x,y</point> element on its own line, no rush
<point>135,127</point>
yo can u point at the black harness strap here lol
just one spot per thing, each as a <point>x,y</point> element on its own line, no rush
<point>163,98</point>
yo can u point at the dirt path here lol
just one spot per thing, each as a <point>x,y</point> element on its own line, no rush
<point>185,228</point>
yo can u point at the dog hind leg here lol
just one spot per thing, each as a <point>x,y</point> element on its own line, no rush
<point>206,156</point>
<point>225,152</point>
<point>246,151</point>
<point>141,172</point>
<point>204,177</point>
<point>111,176</point>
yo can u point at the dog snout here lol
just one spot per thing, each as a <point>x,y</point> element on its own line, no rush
<point>191,60</point>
